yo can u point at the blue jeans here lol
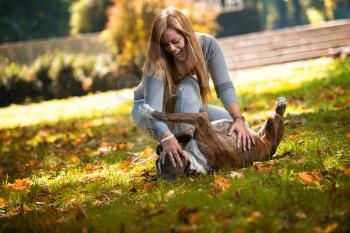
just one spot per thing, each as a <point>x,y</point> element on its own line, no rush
<point>188,100</point>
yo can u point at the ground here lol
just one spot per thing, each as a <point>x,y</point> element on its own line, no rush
<point>80,165</point>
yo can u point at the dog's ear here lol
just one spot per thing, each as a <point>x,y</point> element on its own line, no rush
<point>146,110</point>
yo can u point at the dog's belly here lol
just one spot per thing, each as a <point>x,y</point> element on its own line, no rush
<point>221,128</point>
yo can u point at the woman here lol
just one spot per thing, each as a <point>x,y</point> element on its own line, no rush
<point>176,79</point>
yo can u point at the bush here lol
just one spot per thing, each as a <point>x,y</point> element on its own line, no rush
<point>88,16</point>
<point>40,70</point>
<point>15,87</point>
<point>129,23</point>
<point>65,83</point>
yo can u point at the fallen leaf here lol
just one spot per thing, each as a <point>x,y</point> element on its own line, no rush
<point>147,152</point>
<point>123,165</point>
<point>170,194</point>
<point>74,160</point>
<point>117,192</point>
<point>346,171</point>
<point>331,227</point>
<point>188,215</point>
<point>300,215</point>
<point>3,203</point>
<point>146,187</point>
<point>19,184</point>
<point>262,167</point>
<point>310,178</point>
<point>348,136</point>
<point>221,184</point>
<point>254,216</point>
<point>122,146</point>
<point>237,175</point>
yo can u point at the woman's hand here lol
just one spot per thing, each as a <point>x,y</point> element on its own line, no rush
<point>245,137</point>
<point>172,148</point>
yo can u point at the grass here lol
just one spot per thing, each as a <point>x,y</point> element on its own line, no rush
<point>87,169</point>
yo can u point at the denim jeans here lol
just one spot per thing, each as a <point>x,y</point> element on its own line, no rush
<point>187,100</point>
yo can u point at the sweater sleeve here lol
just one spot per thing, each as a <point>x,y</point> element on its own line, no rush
<point>154,95</point>
<point>217,67</point>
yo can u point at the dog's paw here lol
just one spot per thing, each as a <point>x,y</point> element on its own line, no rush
<point>281,105</point>
<point>146,110</point>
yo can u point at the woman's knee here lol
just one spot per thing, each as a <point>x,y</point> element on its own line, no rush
<point>188,85</point>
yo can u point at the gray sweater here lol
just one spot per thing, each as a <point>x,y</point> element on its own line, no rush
<point>153,92</point>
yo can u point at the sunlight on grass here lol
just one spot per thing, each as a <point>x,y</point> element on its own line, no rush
<point>81,165</point>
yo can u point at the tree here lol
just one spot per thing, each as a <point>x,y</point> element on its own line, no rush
<point>23,20</point>
<point>88,16</point>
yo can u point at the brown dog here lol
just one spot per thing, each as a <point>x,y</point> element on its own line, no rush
<point>219,149</point>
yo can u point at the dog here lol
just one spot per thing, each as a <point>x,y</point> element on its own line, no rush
<point>219,149</point>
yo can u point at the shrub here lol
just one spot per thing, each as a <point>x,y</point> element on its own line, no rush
<point>40,70</point>
<point>15,86</point>
<point>65,83</point>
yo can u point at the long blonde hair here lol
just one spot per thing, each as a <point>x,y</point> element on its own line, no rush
<point>158,62</point>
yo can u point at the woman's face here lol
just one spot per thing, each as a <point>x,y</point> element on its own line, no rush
<point>174,43</point>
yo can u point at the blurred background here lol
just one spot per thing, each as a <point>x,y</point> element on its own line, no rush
<point>60,48</point>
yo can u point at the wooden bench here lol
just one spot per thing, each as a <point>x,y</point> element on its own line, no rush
<point>286,45</point>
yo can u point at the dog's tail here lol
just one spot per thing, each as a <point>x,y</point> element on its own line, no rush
<point>281,105</point>
<point>189,118</point>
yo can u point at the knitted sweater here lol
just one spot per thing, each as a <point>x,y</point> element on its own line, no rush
<point>152,90</point>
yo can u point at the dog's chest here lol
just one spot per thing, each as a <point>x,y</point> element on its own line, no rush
<point>221,128</point>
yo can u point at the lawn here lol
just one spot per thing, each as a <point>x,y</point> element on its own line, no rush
<point>83,167</point>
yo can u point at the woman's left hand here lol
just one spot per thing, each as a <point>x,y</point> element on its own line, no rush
<point>244,136</point>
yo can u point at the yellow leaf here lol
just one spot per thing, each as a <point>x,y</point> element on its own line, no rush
<point>74,160</point>
<point>123,164</point>
<point>170,193</point>
<point>262,167</point>
<point>254,216</point>
<point>331,227</point>
<point>19,184</point>
<point>147,152</point>
<point>122,146</point>
<point>3,203</point>
<point>221,184</point>
<point>310,178</point>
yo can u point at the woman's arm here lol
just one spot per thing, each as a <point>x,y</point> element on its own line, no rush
<point>154,96</point>
<point>226,92</point>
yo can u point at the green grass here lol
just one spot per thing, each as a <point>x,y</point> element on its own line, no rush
<point>78,179</point>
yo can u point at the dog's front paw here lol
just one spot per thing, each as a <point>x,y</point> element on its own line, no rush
<point>281,105</point>
<point>146,110</point>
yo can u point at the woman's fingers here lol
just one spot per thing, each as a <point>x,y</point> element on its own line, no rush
<point>239,140</point>
<point>171,157</point>
<point>244,144</point>
<point>183,154</point>
<point>177,157</point>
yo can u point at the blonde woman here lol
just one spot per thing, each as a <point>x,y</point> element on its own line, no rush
<point>176,79</point>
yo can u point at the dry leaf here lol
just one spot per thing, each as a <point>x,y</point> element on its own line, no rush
<point>221,184</point>
<point>147,152</point>
<point>123,165</point>
<point>147,187</point>
<point>3,203</point>
<point>300,215</point>
<point>19,184</point>
<point>331,227</point>
<point>237,175</point>
<point>170,194</point>
<point>74,160</point>
<point>122,146</point>
<point>346,171</point>
<point>117,192</point>
<point>262,167</point>
<point>310,178</point>
<point>254,216</point>
<point>348,136</point>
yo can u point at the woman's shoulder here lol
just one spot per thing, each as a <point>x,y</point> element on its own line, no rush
<point>205,38</point>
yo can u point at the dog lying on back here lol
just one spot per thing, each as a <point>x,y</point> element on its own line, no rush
<point>218,148</point>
